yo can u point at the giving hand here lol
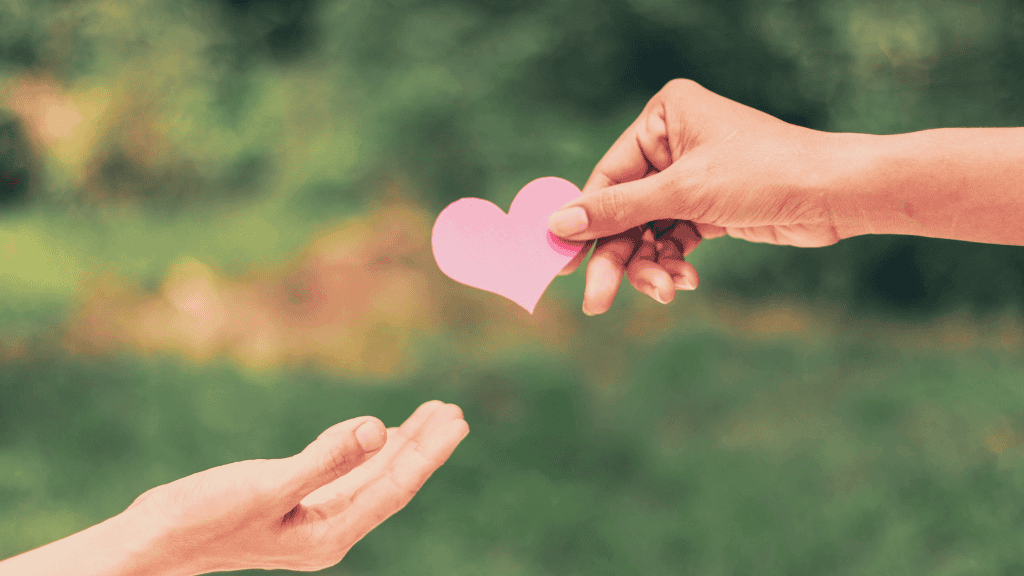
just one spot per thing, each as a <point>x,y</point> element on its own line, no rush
<point>695,165</point>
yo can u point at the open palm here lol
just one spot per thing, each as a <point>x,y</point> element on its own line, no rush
<point>304,512</point>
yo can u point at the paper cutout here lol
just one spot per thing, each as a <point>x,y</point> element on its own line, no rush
<point>513,255</point>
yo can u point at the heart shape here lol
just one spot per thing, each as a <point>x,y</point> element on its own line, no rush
<point>513,255</point>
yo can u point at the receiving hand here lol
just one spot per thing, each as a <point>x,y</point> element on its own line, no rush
<point>304,512</point>
<point>694,165</point>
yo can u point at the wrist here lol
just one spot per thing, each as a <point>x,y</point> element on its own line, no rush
<point>148,545</point>
<point>122,545</point>
<point>853,187</point>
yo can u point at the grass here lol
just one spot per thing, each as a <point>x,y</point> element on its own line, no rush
<point>693,439</point>
<point>710,453</point>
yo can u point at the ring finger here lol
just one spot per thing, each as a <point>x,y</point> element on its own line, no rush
<point>672,248</point>
<point>646,273</point>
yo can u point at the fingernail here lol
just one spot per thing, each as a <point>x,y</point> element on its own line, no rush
<point>568,222</point>
<point>587,312</point>
<point>651,291</point>
<point>371,435</point>
<point>684,284</point>
<point>659,297</point>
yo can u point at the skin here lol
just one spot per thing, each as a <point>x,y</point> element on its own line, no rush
<point>725,156</point>
<point>693,166</point>
<point>696,166</point>
<point>299,513</point>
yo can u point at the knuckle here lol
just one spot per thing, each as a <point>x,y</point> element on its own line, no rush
<point>328,556</point>
<point>680,85</point>
<point>611,205</point>
<point>616,252</point>
<point>315,561</point>
<point>144,499</point>
<point>336,462</point>
<point>403,493</point>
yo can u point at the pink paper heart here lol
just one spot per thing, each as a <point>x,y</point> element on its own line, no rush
<point>513,255</point>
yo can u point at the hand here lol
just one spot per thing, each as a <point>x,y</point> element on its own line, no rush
<point>694,165</point>
<point>304,512</point>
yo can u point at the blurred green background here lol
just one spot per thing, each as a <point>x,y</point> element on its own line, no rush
<point>214,237</point>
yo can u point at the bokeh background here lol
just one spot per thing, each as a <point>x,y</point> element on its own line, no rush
<point>214,244</point>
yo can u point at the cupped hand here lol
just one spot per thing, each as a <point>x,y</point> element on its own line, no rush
<point>694,165</point>
<point>303,512</point>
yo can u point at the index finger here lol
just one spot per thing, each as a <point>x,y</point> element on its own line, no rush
<point>428,416</point>
<point>392,490</point>
<point>623,162</point>
<point>640,150</point>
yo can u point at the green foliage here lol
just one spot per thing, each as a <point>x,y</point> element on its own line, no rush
<point>712,455</point>
<point>309,104</point>
<point>266,120</point>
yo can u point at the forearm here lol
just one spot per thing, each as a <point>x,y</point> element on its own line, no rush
<point>115,547</point>
<point>956,183</point>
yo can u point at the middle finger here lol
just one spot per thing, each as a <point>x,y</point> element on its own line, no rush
<point>420,425</point>
<point>424,419</point>
<point>646,273</point>
<point>604,271</point>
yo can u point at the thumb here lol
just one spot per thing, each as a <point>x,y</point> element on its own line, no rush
<point>615,209</point>
<point>334,453</point>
